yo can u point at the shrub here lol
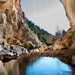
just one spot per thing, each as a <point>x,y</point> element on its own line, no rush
<point>28,46</point>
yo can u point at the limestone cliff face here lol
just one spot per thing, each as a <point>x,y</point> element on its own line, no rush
<point>12,23</point>
<point>69,6</point>
<point>10,17</point>
<point>67,40</point>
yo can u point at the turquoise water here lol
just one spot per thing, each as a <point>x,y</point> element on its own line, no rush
<point>48,66</point>
<point>36,66</point>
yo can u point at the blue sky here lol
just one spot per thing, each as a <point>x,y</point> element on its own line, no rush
<point>46,13</point>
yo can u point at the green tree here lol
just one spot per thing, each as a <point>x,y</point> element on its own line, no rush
<point>43,35</point>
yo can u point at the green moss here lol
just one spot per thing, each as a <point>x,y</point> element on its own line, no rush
<point>29,46</point>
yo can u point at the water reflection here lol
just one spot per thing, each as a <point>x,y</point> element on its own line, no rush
<point>35,66</point>
<point>48,66</point>
<point>15,67</point>
<point>10,68</point>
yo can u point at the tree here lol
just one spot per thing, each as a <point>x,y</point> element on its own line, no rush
<point>63,32</point>
<point>43,35</point>
<point>58,33</point>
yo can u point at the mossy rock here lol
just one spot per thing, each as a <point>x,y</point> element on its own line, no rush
<point>28,46</point>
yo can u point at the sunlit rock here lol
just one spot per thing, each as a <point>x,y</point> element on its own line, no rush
<point>19,49</point>
<point>43,47</point>
<point>67,40</point>
<point>69,6</point>
<point>12,24</point>
<point>35,50</point>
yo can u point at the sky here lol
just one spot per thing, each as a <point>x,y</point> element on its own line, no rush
<point>47,14</point>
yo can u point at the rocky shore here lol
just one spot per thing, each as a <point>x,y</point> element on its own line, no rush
<point>11,52</point>
<point>15,51</point>
<point>67,54</point>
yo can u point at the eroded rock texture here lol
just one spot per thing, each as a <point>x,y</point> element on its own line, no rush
<point>10,17</point>
<point>12,24</point>
<point>67,40</point>
<point>69,6</point>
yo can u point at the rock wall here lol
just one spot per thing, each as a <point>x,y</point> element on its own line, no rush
<point>69,6</point>
<point>10,17</point>
<point>12,23</point>
<point>68,39</point>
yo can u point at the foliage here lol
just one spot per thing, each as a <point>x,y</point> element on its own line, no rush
<point>59,33</point>
<point>28,46</point>
<point>43,35</point>
<point>63,32</point>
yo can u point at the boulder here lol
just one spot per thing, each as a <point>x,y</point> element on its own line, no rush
<point>50,47</point>
<point>1,47</point>
<point>35,50</point>
<point>19,49</point>
<point>73,60</point>
<point>13,41</point>
<point>43,47</point>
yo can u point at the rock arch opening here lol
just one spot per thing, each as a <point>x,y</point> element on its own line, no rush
<point>47,14</point>
<point>66,41</point>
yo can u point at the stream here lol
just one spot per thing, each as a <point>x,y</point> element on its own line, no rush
<point>36,66</point>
